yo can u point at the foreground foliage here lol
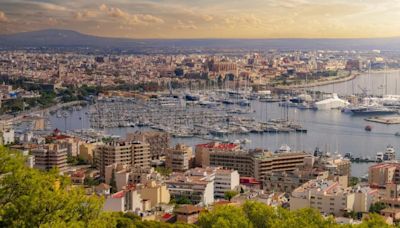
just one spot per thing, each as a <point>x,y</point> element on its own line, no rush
<point>33,198</point>
<point>257,214</point>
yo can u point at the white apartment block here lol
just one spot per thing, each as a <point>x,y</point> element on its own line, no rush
<point>329,197</point>
<point>225,180</point>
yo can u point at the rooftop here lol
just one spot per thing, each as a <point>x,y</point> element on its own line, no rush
<point>220,146</point>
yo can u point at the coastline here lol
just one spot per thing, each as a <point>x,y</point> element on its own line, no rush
<point>350,77</point>
<point>323,82</point>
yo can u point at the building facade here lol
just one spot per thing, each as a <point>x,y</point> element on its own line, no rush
<point>179,158</point>
<point>225,180</point>
<point>135,154</point>
<point>158,141</point>
<point>50,156</point>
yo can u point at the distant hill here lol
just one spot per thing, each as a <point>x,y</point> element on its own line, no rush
<point>52,38</point>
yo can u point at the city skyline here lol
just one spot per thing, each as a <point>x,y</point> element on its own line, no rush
<point>206,19</point>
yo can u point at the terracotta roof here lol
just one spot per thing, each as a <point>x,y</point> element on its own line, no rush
<point>167,216</point>
<point>118,195</point>
<point>249,180</point>
<point>220,146</point>
<point>189,209</point>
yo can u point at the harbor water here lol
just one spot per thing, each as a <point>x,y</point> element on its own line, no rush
<point>330,130</point>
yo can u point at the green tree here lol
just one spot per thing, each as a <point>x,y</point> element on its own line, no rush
<point>354,181</point>
<point>163,171</point>
<point>373,221</point>
<point>32,198</point>
<point>377,207</point>
<point>224,216</point>
<point>181,200</point>
<point>259,214</point>
<point>228,195</point>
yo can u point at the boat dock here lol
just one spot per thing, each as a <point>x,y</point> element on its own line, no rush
<point>183,119</point>
<point>384,119</point>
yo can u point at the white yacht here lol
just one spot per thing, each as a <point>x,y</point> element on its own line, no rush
<point>331,103</point>
<point>284,149</point>
<point>388,155</point>
<point>379,157</point>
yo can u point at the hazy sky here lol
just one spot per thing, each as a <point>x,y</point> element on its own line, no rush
<point>206,18</point>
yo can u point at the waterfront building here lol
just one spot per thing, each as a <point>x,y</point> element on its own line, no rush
<point>50,156</point>
<point>134,153</point>
<point>385,177</point>
<point>202,151</point>
<point>335,164</point>
<point>159,142</point>
<point>179,158</point>
<point>253,163</point>
<point>382,174</point>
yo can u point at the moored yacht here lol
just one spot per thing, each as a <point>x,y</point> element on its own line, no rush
<point>388,155</point>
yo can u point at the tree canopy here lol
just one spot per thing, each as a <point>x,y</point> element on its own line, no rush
<point>33,198</point>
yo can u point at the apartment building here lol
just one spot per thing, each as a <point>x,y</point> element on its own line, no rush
<point>50,156</point>
<point>134,153</point>
<point>123,201</point>
<point>334,163</point>
<point>155,192</point>
<point>197,185</point>
<point>225,180</point>
<point>235,160</point>
<point>159,142</point>
<point>202,151</point>
<point>265,162</point>
<point>287,181</point>
<point>179,158</point>
<point>250,163</point>
<point>385,178</point>
<point>329,197</point>
<point>382,174</point>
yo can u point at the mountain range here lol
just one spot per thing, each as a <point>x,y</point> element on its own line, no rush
<point>57,38</point>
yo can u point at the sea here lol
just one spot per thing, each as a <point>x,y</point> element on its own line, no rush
<point>329,130</point>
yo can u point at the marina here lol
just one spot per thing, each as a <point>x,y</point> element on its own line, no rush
<point>209,119</point>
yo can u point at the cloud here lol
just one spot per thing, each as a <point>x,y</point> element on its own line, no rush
<point>242,21</point>
<point>185,26</point>
<point>131,19</point>
<point>3,17</point>
<point>207,18</point>
<point>49,6</point>
<point>82,15</point>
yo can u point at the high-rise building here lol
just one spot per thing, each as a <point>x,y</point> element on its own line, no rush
<point>249,163</point>
<point>179,158</point>
<point>158,141</point>
<point>202,154</point>
<point>134,153</point>
<point>50,156</point>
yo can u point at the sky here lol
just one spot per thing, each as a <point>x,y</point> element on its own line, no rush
<point>206,18</point>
